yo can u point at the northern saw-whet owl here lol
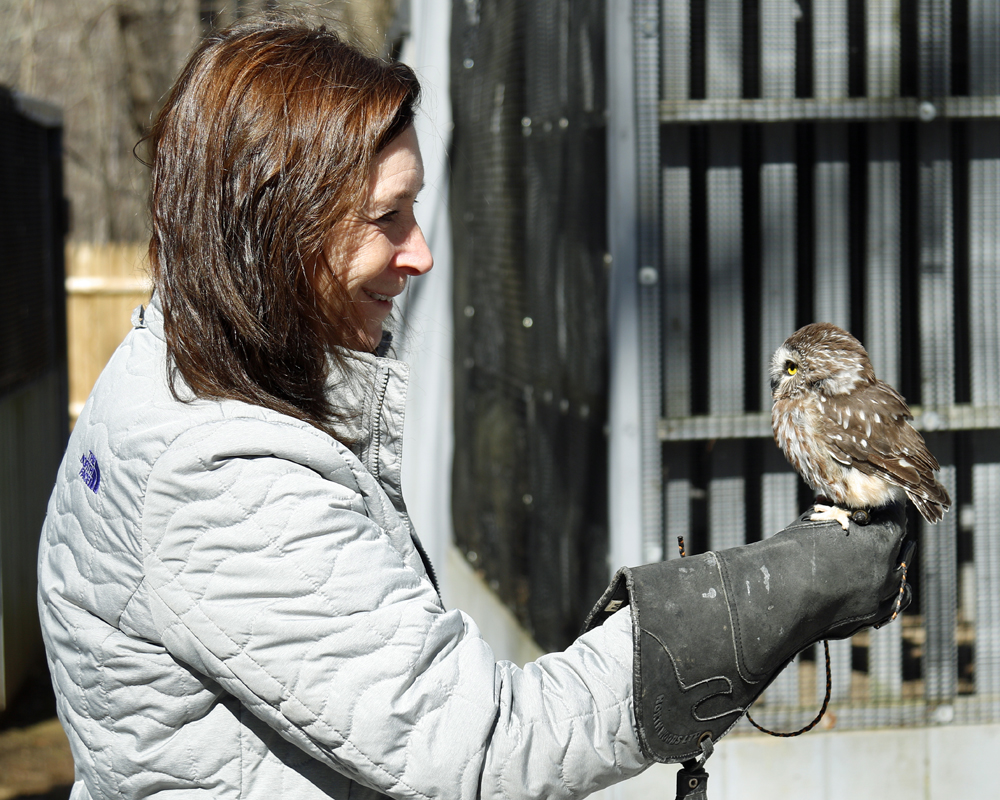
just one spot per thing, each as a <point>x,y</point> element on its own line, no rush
<point>845,431</point>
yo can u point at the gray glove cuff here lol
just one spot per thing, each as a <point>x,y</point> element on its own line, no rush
<point>711,631</point>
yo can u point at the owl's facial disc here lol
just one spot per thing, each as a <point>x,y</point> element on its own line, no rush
<point>785,371</point>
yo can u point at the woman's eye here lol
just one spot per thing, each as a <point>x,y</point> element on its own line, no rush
<point>790,368</point>
<point>388,217</point>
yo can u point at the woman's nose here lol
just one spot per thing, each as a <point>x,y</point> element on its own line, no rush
<point>415,256</point>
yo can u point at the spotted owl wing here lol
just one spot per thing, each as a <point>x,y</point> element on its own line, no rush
<point>869,430</point>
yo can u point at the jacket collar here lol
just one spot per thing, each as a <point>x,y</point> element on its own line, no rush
<point>370,391</point>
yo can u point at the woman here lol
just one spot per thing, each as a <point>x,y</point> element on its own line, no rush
<point>232,599</point>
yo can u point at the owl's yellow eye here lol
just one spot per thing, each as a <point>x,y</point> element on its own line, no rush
<point>790,368</point>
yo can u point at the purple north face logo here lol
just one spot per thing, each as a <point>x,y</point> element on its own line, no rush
<point>91,472</point>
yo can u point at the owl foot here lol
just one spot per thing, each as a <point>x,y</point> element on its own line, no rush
<point>824,513</point>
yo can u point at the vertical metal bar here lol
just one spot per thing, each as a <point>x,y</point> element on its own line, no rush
<point>677,328</point>
<point>882,340</point>
<point>984,256</point>
<point>939,592</point>
<point>677,499</point>
<point>778,204</point>
<point>625,481</point>
<point>885,663</point>
<point>936,251</point>
<point>832,299</point>
<point>883,42</point>
<point>934,25</point>
<point>984,48</point>
<point>723,78</point>
<point>778,199</point>
<point>647,89</point>
<point>832,284</point>
<point>676,228</point>
<point>830,42</point>
<point>726,363</point>
<point>777,47</point>
<point>984,313</point>
<point>724,49</point>
<point>727,506</point>
<point>986,544</point>
<point>727,496</point>
<point>984,307</point>
<point>940,578</point>
<point>675,48</point>
<point>882,322</point>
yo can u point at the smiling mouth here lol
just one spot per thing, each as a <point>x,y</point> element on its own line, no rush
<point>376,296</point>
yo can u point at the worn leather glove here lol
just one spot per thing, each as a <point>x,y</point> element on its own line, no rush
<point>711,631</point>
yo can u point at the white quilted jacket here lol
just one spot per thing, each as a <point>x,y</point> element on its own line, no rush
<point>233,606</point>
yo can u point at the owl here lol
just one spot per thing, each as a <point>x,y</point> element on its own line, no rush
<point>845,431</point>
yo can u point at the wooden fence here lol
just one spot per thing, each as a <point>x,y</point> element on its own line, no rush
<point>104,283</point>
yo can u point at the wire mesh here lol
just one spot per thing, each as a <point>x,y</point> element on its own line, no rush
<point>528,182</point>
<point>839,160</point>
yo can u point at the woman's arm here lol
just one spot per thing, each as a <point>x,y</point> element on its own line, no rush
<point>265,573</point>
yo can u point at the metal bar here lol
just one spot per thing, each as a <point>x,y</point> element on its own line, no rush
<point>939,597</point>
<point>832,300</point>
<point>885,663</point>
<point>883,45</point>
<point>986,544</point>
<point>984,47</point>
<point>725,241</point>
<point>983,146</point>
<point>647,88</point>
<point>984,256</point>
<point>727,497</point>
<point>625,481</point>
<point>936,274</point>
<point>724,49</point>
<point>829,109</point>
<point>675,49</point>
<point>757,425</point>
<point>677,468</point>
<point>676,268</point>
<point>934,20</point>
<point>882,273</point>
<point>778,245</point>
<point>882,315</point>
<point>777,51</point>
<point>830,48</point>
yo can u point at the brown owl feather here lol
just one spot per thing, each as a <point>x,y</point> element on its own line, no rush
<point>845,431</point>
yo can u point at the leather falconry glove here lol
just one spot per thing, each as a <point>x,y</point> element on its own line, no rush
<point>711,631</point>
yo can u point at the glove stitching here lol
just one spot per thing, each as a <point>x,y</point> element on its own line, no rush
<point>734,625</point>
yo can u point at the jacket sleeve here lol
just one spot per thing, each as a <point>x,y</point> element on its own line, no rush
<point>264,572</point>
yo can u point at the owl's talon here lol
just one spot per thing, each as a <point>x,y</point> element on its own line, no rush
<point>822,513</point>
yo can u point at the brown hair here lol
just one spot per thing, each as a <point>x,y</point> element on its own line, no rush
<point>265,143</point>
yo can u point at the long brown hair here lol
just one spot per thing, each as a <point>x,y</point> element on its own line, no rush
<point>265,142</point>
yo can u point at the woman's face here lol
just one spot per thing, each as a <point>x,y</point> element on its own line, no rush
<point>375,249</point>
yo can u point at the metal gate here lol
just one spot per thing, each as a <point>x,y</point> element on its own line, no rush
<point>833,160</point>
